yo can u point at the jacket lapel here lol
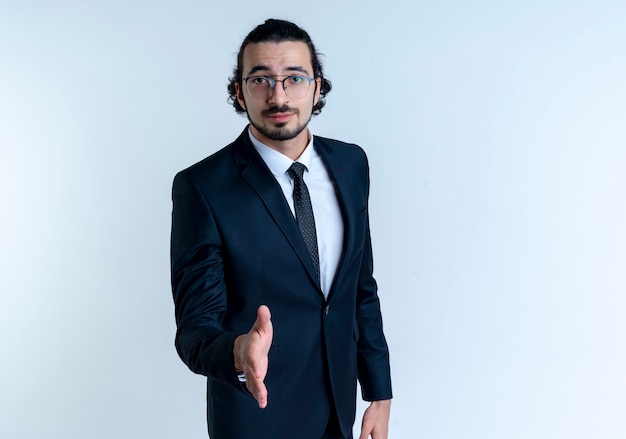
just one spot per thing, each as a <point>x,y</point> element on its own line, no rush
<point>257,174</point>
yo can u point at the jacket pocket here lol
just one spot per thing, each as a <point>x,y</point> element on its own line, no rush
<point>355,332</point>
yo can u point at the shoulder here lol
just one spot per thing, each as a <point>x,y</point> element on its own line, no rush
<point>215,161</point>
<point>223,161</point>
<point>338,145</point>
<point>345,150</point>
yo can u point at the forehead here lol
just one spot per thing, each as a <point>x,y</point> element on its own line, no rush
<point>276,57</point>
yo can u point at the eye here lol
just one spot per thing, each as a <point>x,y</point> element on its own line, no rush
<point>296,80</point>
<point>260,80</point>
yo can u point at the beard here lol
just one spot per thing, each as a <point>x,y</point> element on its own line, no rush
<point>278,131</point>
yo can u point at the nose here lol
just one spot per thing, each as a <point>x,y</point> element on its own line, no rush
<point>278,95</point>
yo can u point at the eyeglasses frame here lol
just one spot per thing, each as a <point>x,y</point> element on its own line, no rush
<point>273,81</point>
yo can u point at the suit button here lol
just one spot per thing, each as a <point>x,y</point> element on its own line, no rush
<point>327,309</point>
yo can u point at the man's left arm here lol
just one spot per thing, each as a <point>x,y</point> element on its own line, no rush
<point>372,353</point>
<point>372,350</point>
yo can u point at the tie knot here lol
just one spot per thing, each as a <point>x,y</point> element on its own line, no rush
<point>296,170</point>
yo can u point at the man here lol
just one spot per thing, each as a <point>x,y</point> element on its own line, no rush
<point>272,265</point>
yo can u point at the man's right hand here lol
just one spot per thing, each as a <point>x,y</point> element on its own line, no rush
<point>251,354</point>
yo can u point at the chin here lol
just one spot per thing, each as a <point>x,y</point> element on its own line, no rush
<point>279,132</point>
<point>282,134</point>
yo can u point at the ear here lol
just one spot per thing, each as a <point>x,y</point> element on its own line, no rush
<point>239,92</point>
<point>318,88</point>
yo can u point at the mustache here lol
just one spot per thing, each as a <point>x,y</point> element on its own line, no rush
<point>282,109</point>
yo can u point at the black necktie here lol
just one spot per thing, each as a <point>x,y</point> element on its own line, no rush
<point>304,213</point>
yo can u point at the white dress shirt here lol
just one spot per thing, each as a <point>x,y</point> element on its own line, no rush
<point>326,210</point>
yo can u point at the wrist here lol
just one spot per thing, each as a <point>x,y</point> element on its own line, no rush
<point>383,404</point>
<point>237,348</point>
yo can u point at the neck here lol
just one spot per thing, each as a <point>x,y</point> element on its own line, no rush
<point>292,148</point>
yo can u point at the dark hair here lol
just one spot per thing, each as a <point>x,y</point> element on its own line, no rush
<point>277,31</point>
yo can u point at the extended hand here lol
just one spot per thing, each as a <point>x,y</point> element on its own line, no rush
<point>376,420</point>
<point>251,354</point>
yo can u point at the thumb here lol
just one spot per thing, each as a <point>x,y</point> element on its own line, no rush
<point>263,318</point>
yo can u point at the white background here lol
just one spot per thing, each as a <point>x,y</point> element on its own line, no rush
<point>496,132</point>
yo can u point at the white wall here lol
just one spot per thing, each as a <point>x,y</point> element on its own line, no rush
<point>497,138</point>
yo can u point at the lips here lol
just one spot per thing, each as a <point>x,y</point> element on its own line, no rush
<point>280,117</point>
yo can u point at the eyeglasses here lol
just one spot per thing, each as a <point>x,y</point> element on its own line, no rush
<point>295,86</point>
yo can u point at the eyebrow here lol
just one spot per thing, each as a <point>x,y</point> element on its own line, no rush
<point>261,68</point>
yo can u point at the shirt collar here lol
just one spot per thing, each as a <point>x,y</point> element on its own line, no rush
<point>277,161</point>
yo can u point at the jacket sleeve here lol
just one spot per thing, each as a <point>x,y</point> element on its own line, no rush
<point>198,287</point>
<point>372,350</point>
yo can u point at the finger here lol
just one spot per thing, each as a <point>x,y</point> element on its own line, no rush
<point>263,316</point>
<point>257,388</point>
<point>261,395</point>
<point>366,427</point>
<point>364,435</point>
<point>364,432</point>
<point>382,434</point>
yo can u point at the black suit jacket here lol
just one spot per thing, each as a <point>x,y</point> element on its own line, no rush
<point>235,245</point>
